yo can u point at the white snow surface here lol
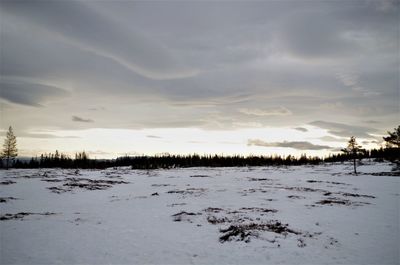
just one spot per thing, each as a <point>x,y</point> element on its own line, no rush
<point>123,223</point>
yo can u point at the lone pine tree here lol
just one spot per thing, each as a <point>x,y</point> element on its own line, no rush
<point>10,150</point>
<point>353,148</point>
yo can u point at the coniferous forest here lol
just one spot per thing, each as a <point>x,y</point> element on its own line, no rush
<point>82,160</point>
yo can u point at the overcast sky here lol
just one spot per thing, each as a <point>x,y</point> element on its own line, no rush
<point>261,77</point>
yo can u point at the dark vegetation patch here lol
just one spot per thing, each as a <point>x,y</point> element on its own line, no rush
<point>20,216</point>
<point>213,210</point>
<point>184,216</point>
<point>237,217</point>
<point>251,190</point>
<point>347,194</point>
<point>240,210</point>
<point>200,176</point>
<point>338,183</point>
<point>176,204</point>
<point>218,220</point>
<point>324,192</point>
<point>189,191</point>
<point>339,201</point>
<point>48,175</point>
<point>260,179</point>
<point>298,189</point>
<point>113,176</point>
<point>243,232</point>
<point>6,199</point>
<point>58,190</point>
<point>160,185</point>
<point>34,176</point>
<point>7,182</point>
<point>302,189</point>
<point>332,201</point>
<point>98,181</point>
<point>228,216</point>
<point>78,221</point>
<point>296,197</point>
<point>88,186</point>
<point>51,180</point>
<point>258,209</point>
<point>85,183</point>
<point>75,172</point>
<point>386,174</point>
<point>119,173</point>
<point>328,182</point>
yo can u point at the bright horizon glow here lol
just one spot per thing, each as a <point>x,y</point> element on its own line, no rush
<point>112,143</point>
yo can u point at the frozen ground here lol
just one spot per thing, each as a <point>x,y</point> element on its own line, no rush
<point>262,215</point>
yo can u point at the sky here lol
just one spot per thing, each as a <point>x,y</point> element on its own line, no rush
<point>227,77</point>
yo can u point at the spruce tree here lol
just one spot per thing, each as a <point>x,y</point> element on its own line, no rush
<point>394,138</point>
<point>10,150</point>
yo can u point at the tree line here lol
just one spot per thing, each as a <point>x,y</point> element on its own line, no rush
<point>57,160</point>
<point>81,159</point>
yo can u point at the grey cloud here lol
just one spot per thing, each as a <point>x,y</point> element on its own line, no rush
<point>337,149</point>
<point>372,122</point>
<point>81,25</point>
<point>229,99</point>
<point>280,111</point>
<point>39,135</point>
<point>333,30</point>
<point>79,119</point>
<point>304,37</point>
<point>45,136</point>
<point>373,142</point>
<point>301,129</point>
<point>97,108</point>
<point>169,123</point>
<point>332,139</point>
<point>352,81</point>
<point>348,79</point>
<point>300,145</point>
<point>344,130</point>
<point>27,92</point>
<point>121,54</point>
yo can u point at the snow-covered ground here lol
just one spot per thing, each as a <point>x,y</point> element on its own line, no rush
<point>258,215</point>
